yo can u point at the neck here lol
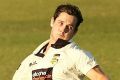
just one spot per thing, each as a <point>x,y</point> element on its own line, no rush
<point>52,41</point>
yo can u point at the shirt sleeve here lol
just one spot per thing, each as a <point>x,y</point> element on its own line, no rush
<point>85,62</point>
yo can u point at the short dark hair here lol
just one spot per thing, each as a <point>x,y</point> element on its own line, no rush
<point>71,10</point>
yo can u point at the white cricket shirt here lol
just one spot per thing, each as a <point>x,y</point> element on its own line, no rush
<point>66,63</point>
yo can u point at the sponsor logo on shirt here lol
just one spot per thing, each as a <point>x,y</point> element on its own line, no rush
<point>55,59</point>
<point>42,74</point>
<point>32,63</point>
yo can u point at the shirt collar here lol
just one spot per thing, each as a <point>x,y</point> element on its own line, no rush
<point>58,44</point>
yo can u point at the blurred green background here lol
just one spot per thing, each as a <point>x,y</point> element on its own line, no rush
<point>24,24</point>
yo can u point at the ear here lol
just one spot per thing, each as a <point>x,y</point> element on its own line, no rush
<point>52,21</point>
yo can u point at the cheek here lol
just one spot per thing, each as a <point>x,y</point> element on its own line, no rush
<point>71,34</point>
<point>54,31</point>
<point>55,28</point>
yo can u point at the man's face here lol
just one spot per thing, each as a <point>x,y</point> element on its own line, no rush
<point>63,26</point>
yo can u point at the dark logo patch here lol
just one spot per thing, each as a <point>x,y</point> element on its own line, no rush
<point>42,74</point>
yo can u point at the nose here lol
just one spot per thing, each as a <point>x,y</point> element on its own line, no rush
<point>64,29</point>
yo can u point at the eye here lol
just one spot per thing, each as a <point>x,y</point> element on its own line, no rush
<point>71,27</point>
<point>60,23</point>
<point>68,28</point>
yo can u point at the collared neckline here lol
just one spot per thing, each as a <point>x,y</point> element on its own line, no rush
<point>60,43</point>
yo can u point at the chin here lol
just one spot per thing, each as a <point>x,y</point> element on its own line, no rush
<point>58,37</point>
<point>64,39</point>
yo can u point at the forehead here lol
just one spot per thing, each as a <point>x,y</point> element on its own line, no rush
<point>65,17</point>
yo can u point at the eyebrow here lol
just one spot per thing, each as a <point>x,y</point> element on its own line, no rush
<point>63,21</point>
<point>60,21</point>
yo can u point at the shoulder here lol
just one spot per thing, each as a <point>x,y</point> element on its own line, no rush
<point>27,60</point>
<point>77,53</point>
<point>40,46</point>
<point>75,49</point>
<point>32,56</point>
